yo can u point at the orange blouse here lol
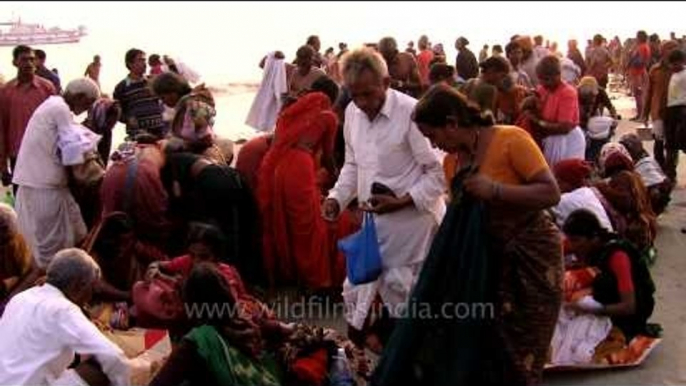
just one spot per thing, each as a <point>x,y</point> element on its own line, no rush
<point>512,157</point>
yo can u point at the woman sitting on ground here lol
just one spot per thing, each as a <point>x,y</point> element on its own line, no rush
<point>626,198</point>
<point>220,350</point>
<point>15,257</point>
<point>206,244</point>
<point>573,179</point>
<point>593,100</point>
<point>658,185</point>
<point>624,289</point>
<point>248,324</point>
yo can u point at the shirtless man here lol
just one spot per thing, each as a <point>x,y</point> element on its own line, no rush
<point>305,72</point>
<point>314,42</point>
<point>402,68</point>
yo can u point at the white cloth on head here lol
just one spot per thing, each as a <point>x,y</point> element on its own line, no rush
<point>41,330</point>
<point>558,148</point>
<point>650,171</point>
<point>576,336</point>
<point>75,142</point>
<point>391,150</point>
<point>582,198</point>
<point>267,103</point>
<point>50,220</point>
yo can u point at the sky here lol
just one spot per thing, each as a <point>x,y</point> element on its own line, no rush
<point>225,40</point>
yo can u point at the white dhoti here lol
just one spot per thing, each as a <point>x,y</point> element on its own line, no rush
<point>50,220</point>
<point>558,148</point>
<point>404,240</point>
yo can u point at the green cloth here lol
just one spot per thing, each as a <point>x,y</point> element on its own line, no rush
<point>229,366</point>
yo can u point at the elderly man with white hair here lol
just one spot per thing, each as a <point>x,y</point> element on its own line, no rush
<point>43,327</point>
<point>393,172</point>
<point>49,217</point>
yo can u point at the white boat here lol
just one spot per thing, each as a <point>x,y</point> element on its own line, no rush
<point>29,34</point>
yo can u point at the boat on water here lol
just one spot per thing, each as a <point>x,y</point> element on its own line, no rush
<point>25,33</point>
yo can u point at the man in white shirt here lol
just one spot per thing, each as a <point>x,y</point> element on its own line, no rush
<point>49,217</point>
<point>43,327</point>
<point>383,145</point>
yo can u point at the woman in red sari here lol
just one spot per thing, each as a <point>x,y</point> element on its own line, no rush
<point>299,245</point>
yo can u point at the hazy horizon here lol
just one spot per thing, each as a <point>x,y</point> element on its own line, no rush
<point>224,41</point>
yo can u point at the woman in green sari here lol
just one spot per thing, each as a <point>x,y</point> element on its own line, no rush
<point>220,350</point>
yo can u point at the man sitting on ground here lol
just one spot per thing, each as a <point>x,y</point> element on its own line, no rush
<point>43,327</point>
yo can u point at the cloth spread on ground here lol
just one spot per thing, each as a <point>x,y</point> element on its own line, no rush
<point>585,341</point>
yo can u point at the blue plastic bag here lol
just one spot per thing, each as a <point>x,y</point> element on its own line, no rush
<point>362,254</point>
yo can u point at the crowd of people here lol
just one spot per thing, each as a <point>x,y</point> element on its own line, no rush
<point>496,180</point>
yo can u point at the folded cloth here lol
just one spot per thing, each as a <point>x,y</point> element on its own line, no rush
<point>74,142</point>
<point>576,337</point>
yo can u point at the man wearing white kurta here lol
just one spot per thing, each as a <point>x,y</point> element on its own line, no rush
<point>383,145</point>
<point>43,327</point>
<point>49,217</point>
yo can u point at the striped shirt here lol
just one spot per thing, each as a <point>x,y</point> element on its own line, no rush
<point>141,109</point>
